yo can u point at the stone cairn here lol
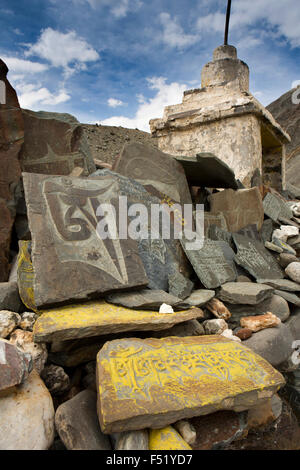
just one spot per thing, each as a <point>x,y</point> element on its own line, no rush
<point>147,343</point>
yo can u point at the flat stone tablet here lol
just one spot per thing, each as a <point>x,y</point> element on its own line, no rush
<point>156,382</point>
<point>210,264</point>
<point>151,167</point>
<point>256,259</point>
<point>101,318</point>
<point>146,299</point>
<point>71,262</point>
<point>281,284</point>
<point>275,207</point>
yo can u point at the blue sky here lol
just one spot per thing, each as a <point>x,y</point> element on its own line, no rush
<point>119,62</point>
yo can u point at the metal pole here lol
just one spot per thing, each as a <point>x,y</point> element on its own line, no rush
<point>227,23</point>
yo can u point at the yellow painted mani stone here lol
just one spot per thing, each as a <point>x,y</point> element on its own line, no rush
<point>151,383</point>
<point>166,439</point>
<point>100,318</point>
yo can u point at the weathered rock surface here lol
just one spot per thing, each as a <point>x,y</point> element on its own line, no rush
<point>15,365</point>
<point>218,309</point>
<point>286,259</point>
<point>273,344</point>
<point>293,324</point>
<point>276,208</point>
<point>210,263</point>
<point>145,299</point>
<point>186,430</point>
<point>27,321</point>
<point>200,297</point>
<point>265,413</point>
<point>166,439</point>
<point>27,417</point>
<point>240,208</point>
<point>215,327</point>
<point>38,351</point>
<point>54,144</point>
<point>289,297</point>
<point>260,322</point>
<point>133,440</point>
<point>101,318</point>
<point>293,271</point>
<point>154,169</point>
<point>256,259</point>
<point>217,430</point>
<point>188,328</point>
<point>77,424</point>
<point>11,141</point>
<point>244,293</point>
<point>146,398</point>
<point>8,322</point>
<point>281,284</point>
<point>63,273</point>
<point>26,275</point>
<point>56,379</point>
<point>9,297</point>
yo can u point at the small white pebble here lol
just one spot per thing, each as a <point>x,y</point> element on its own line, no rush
<point>165,308</point>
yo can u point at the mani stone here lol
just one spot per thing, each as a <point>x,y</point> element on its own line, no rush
<point>153,383</point>
<point>210,264</point>
<point>215,220</point>
<point>71,262</point>
<point>144,299</point>
<point>154,169</point>
<point>248,293</point>
<point>163,259</point>
<point>100,318</point>
<point>27,417</point>
<point>77,424</point>
<point>255,258</point>
<point>15,365</point>
<point>54,144</point>
<point>281,284</point>
<point>240,208</point>
<point>208,171</point>
<point>11,141</point>
<point>275,207</point>
<point>167,439</point>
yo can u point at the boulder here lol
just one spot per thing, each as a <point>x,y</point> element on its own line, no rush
<point>38,351</point>
<point>133,440</point>
<point>9,297</point>
<point>293,271</point>
<point>15,365</point>
<point>273,344</point>
<point>27,417</point>
<point>56,379</point>
<point>77,424</point>
<point>8,322</point>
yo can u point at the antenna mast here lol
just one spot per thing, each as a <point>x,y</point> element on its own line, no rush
<point>227,23</point>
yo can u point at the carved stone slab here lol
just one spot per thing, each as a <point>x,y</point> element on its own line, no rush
<point>214,220</point>
<point>70,260</point>
<point>54,144</point>
<point>276,208</point>
<point>163,259</point>
<point>240,208</point>
<point>256,259</point>
<point>151,167</point>
<point>153,383</point>
<point>210,264</point>
<point>101,318</point>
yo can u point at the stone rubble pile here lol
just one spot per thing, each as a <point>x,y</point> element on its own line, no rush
<point>88,358</point>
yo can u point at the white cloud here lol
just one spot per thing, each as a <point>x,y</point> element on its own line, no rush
<point>63,50</point>
<point>283,16</point>
<point>118,8</point>
<point>173,34</point>
<point>17,65</point>
<point>166,94</point>
<point>32,96</point>
<point>113,103</point>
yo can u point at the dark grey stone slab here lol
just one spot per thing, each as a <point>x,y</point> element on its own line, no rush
<point>145,299</point>
<point>207,170</point>
<point>289,297</point>
<point>210,264</point>
<point>248,293</point>
<point>153,168</point>
<point>9,297</point>
<point>281,284</point>
<point>214,220</point>
<point>275,207</point>
<point>256,259</point>
<point>161,257</point>
<point>267,230</point>
<point>71,262</point>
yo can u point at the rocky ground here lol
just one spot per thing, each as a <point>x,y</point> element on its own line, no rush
<point>141,343</point>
